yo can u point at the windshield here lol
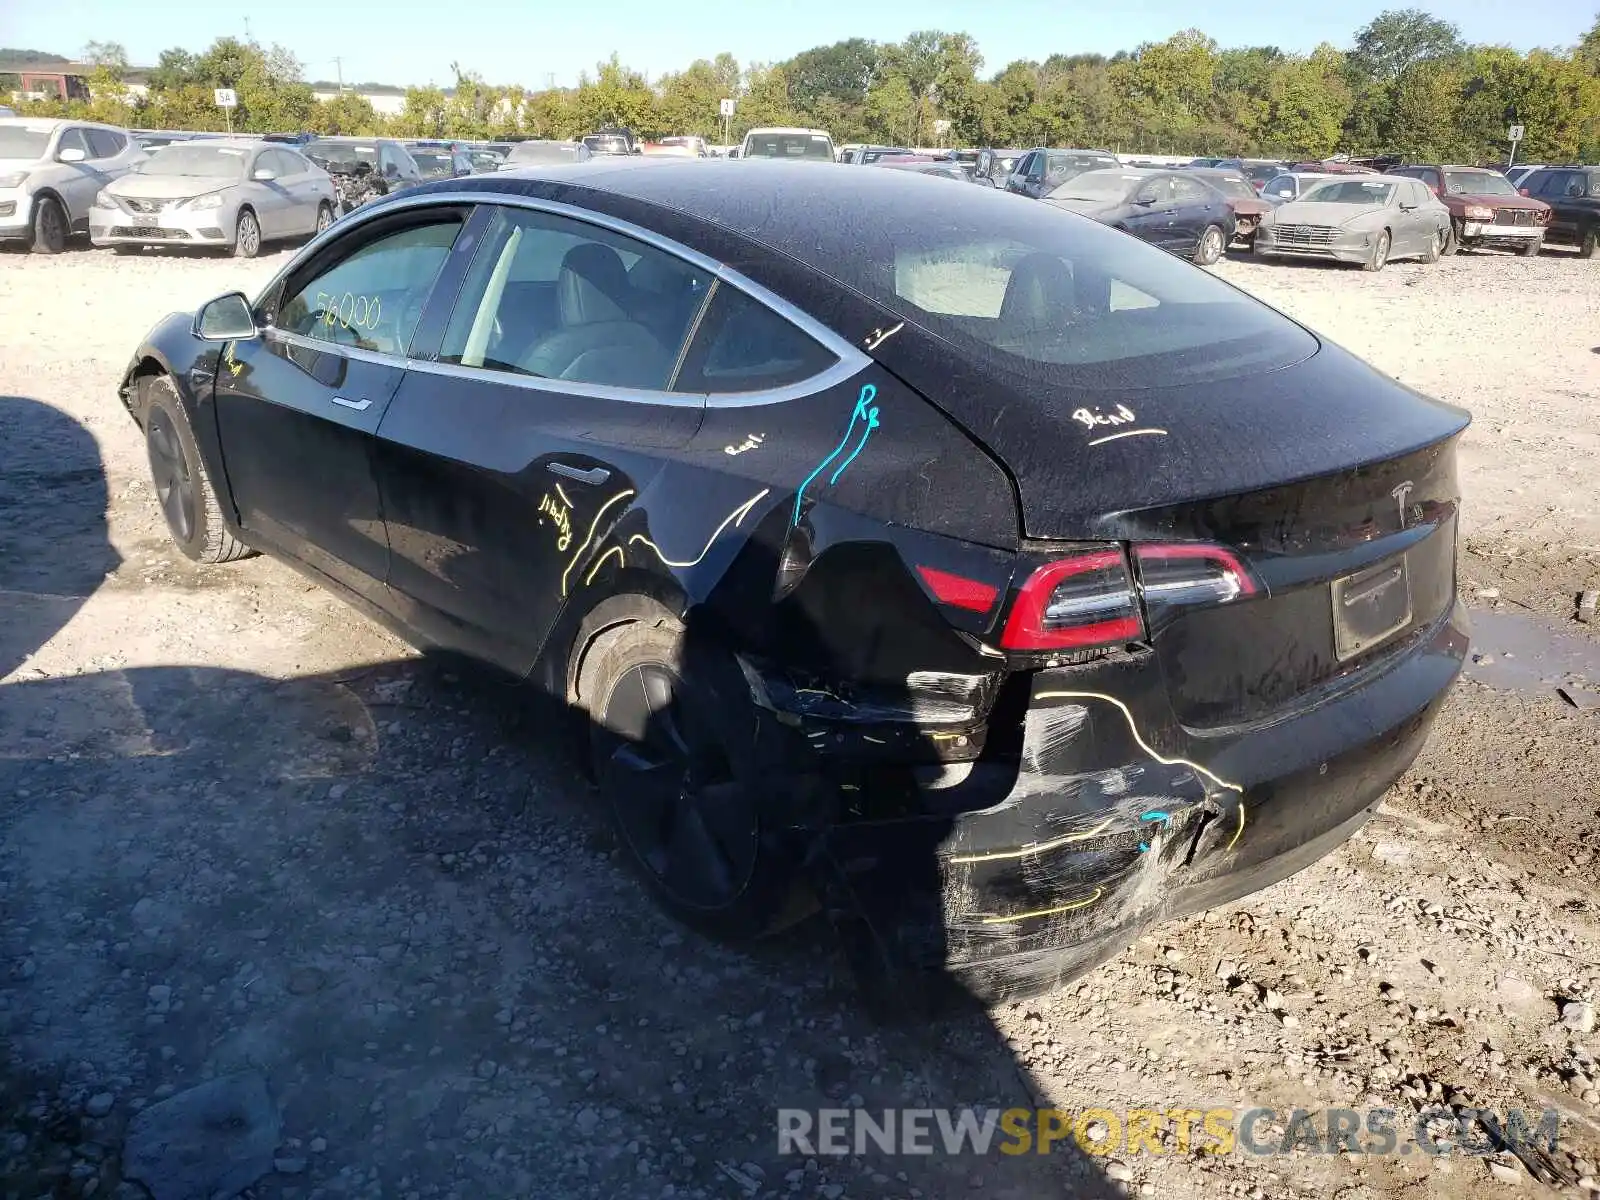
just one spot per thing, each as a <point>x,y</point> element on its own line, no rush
<point>1477,183</point>
<point>1097,185</point>
<point>195,162</point>
<point>434,163</point>
<point>528,152</point>
<point>342,154</point>
<point>789,145</point>
<point>1050,300</point>
<point>1349,191</point>
<point>1231,185</point>
<point>19,141</point>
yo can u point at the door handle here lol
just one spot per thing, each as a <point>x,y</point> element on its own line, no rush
<point>592,475</point>
<point>359,405</point>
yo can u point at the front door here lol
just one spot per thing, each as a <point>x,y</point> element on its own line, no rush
<point>298,407</point>
<point>1150,217</point>
<point>505,464</point>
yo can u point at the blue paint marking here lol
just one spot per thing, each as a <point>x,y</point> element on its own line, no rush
<point>1155,814</point>
<point>861,412</point>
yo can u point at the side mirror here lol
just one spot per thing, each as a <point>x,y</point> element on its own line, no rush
<point>265,175</point>
<point>226,319</point>
<point>71,155</point>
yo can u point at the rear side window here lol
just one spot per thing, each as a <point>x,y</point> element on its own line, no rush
<point>744,346</point>
<point>372,299</point>
<point>105,144</point>
<point>554,298</point>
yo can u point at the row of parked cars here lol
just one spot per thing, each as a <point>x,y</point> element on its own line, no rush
<point>131,189</point>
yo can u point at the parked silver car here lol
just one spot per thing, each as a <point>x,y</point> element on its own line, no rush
<point>1366,219</point>
<point>50,172</point>
<point>239,193</point>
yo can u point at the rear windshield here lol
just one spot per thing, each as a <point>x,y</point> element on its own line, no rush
<point>1349,192</point>
<point>1049,299</point>
<point>1477,183</point>
<point>529,152</point>
<point>789,145</point>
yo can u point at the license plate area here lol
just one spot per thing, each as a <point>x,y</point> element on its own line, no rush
<point>1370,607</point>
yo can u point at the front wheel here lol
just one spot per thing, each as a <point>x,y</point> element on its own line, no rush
<point>1210,247</point>
<point>1452,241</point>
<point>49,227</point>
<point>1589,243</point>
<point>1435,246</point>
<point>194,518</point>
<point>1378,256</point>
<point>672,746</point>
<point>247,237</point>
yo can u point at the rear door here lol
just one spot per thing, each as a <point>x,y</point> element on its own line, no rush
<point>504,462</point>
<point>300,194</point>
<point>269,197</point>
<point>1152,218</point>
<point>1194,206</point>
<point>297,408</point>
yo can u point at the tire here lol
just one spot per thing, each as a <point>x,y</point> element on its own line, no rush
<point>49,232</point>
<point>1589,243</point>
<point>1380,253</point>
<point>1435,246</point>
<point>1452,241</point>
<point>325,217</point>
<point>1531,250</point>
<point>247,236</point>
<point>672,743</point>
<point>187,499</point>
<point>1210,247</point>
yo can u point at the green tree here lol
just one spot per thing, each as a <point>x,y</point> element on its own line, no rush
<point>1588,51</point>
<point>1393,42</point>
<point>346,113</point>
<point>688,101</point>
<point>423,113</point>
<point>617,95</point>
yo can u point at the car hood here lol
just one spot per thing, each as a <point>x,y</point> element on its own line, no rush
<point>166,187</point>
<point>1301,212</point>
<point>1241,430</point>
<point>1494,201</point>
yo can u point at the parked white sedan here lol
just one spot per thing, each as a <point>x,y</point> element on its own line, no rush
<point>238,193</point>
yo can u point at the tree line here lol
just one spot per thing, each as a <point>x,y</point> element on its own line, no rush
<point>1409,84</point>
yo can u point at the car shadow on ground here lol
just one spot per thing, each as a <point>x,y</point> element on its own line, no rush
<point>387,891</point>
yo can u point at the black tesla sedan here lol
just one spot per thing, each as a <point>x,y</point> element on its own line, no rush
<point>997,581</point>
<point>1170,209</point>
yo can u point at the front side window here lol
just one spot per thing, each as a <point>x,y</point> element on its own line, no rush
<point>73,139</point>
<point>741,345</point>
<point>554,298</point>
<point>372,299</point>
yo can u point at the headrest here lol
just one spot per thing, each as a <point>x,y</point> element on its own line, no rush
<point>592,285</point>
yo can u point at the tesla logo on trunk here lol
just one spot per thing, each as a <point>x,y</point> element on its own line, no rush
<point>1400,493</point>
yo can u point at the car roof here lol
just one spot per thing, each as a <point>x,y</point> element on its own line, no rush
<point>51,124</point>
<point>234,143</point>
<point>789,129</point>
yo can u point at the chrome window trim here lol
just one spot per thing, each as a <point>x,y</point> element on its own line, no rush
<point>273,334</point>
<point>851,359</point>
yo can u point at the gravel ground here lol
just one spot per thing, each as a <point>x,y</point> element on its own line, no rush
<point>246,832</point>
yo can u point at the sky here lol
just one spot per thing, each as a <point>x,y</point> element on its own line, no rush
<point>514,41</point>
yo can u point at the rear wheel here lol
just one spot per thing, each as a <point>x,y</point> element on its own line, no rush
<point>1589,243</point>
<point>247,237</point>
<point>194,518</point>
<point>324,216</point>
<point>1379,254</point>
<point>1531,250</point>
<point>126,248</point>
<point>1212,242</point>
<point>671,743</point>
<point>49,227</point>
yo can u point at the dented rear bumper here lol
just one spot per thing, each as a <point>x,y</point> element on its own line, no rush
<point>1120,818</point>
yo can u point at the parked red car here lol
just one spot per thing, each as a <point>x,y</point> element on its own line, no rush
<point>1485,209</point>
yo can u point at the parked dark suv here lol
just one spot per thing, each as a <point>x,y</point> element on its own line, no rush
<point>1573,194</point>
<point>1485,209</point>
<point>1040,171</point>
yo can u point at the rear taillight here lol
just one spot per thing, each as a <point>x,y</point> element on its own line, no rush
<point>1076,603</point>
<point>1188,573</point>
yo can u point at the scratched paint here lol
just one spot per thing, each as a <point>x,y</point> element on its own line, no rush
<point>735,519</point>
<point>865,414</point>
<point>589,537</point>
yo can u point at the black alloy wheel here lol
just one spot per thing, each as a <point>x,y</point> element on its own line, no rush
<point>683,814</point>
<point>172,476</point>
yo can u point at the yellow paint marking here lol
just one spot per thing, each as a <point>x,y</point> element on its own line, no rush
<point>593,525</point>
<point>1045,912</point>
<point>1235,839</point>
<point>1036,847</point>
<point>600,562</point>
<point>1134,729</point>
<point>565,499</point>
<point>735,517</point>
